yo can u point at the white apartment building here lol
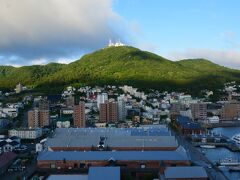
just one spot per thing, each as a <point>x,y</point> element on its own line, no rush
<point>26,133</point>
<point>9,112</point>
<point>101,98</point>
<point>121,109</point>
<point>63,124</point>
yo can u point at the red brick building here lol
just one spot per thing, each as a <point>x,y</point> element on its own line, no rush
<point>79,115</point>
<point>108,112</point>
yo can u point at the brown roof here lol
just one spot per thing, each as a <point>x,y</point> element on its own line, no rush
<point>6,157</point>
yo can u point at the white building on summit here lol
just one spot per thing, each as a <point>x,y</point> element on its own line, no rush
<point>116,44</point>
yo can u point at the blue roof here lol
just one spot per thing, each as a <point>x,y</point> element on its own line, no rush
<point>68,177</point>
<point>183,119</point>
<point>104,173</point>
<point>185,172</point>
<point>186,123</point>
<point>177,155</point>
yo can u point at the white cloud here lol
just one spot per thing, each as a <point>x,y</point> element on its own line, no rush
<point>228,58</point>
<point>48,29</point>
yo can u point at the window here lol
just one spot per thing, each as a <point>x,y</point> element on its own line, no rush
<point>143,166</point>
<point>52,166</point>
<point>82,165</point>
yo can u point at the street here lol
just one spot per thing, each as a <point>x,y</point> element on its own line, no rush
<point>199,159</point>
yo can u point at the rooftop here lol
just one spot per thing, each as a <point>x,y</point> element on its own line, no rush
<point>186,123</point>
<point>68,177</point>
<point>6,157</point>
<point>185,172</point>
<point>114,137</point>
<point>104,173</point>
<point>177,155</point>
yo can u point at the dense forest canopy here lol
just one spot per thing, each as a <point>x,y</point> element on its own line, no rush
<point>118,66</point>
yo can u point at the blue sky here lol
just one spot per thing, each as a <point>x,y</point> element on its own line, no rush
<point>39,32</point>
<point>174,26</point>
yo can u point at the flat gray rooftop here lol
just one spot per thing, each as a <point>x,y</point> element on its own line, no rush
<point>114,137</point>
<point>177,155</point>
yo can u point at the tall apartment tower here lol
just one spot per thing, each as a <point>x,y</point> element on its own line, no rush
<point>108,112</point>
<point>103,112</point>
<point>79,115</point>
<point>38,118</point>
<point>199,111</point>
<point>101,98</point>
<point>121,109</point>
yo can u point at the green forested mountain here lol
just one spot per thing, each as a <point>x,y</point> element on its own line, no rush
<point>122,65</point>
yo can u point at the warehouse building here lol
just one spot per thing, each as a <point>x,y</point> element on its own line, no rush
<point>125,159</point>
<point>128,139</point>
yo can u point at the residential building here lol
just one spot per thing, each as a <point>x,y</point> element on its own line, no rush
<point>176,108</point>
<point>26,133</point>
<point>121,109</point>
<point>79,115</point>
<point>43,104</point>
<point>108,112</point>
<point>230,111</point>
<point>38,118</point>
<point>199,111</point>
<point>19,88</point>
<point>63,124</point>
<point>9,112</point>
<point>9,144</point>
<point>70,101</point>
<point>66,111</point>
<point>214,119</point>
<point>101,98</point>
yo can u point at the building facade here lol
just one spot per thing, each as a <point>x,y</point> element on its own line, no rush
<point>101,98</point>
<point>26,133</point>
<point>70,101</point>
<point>43,104</point>
<point>38,118</point>
<point>121,109</point>
<point>108,112</point>
<point>19,88</point>
<point>79,115</point>
<point>199,111</point>
<point>230,111</point>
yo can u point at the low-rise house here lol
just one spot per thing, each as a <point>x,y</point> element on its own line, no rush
<point>214,119</point>
<point>63,124</point>
<point>9,144</point>
<point>9,112</point>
